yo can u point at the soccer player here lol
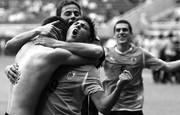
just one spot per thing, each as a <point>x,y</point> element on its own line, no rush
<point>126,56</point>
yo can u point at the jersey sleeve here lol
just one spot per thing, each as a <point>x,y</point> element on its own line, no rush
<point>152,62</point>
<point>91,83</point>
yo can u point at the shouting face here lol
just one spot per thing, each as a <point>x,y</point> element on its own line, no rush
<point>79,31</point>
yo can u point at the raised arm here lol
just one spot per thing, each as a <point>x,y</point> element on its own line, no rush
<point>104,101</point>
<point>81,49</point>
<point>14,45</point>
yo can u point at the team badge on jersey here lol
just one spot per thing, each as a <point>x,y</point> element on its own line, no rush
<point>70,75</point>
<point>112,59</point>
<point>133,60</point>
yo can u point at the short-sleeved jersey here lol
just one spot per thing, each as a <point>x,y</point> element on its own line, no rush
<point>73,84</point>
<point>131,97</point>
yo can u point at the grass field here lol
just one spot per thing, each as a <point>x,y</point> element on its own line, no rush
<point>160,99</point>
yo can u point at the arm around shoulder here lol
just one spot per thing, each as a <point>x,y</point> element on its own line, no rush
<point>82,49</point>
<point>14,45</point>
<point>64,57</point>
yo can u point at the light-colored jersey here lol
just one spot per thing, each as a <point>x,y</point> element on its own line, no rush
<point>131,97</point>
<point>73,84</point>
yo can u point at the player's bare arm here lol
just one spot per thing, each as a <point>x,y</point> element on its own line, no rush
<point>104,101</point>
<point>171,66</point>
<point>82,49</point>
<point>14,45</point>
<point>68,58</point>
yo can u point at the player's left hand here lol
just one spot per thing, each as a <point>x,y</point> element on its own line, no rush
<point>12,72</point>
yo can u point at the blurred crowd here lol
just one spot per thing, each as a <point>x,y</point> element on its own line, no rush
<point>29,11</point>
<point>167,48</point>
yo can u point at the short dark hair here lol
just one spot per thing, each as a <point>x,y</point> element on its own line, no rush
<point>61,24</point>
<point>65,3</point>
<point>124,22</point>
<point>91,25</point>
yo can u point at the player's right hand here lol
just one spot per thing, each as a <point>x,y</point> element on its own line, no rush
<point>12,73</point>
<point>48,30</point>
<point>124,78</point>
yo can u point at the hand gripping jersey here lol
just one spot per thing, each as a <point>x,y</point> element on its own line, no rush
<point>131,97</point>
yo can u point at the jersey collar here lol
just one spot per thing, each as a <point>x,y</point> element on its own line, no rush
<point>125,52</point>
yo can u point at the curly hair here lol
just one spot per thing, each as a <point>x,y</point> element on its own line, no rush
<point>91,25</point>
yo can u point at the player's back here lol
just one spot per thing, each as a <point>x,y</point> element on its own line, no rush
<point>36,68</point>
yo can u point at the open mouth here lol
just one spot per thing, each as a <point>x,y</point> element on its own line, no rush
<point>122,38</point>
<point>75,32</point>
<point>122,35</point>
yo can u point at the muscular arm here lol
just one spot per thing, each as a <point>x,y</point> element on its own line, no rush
<point>81,49</point>
<point>65,57</point>
<point>14,45</point>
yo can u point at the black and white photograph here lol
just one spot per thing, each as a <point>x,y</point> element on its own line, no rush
<point>89,57</point>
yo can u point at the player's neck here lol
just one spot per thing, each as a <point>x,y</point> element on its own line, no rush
<point>124,47</point>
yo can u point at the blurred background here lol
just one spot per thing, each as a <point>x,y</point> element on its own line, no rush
<point>156,27</point>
